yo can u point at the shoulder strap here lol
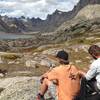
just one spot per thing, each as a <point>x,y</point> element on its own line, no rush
<point>68,67</point>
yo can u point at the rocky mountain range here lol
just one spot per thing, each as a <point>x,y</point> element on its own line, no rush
<point>83,22</point>
<point>22,61</point>
<point>51,23</point>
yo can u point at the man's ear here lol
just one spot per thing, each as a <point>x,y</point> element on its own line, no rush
<point>94,56</point>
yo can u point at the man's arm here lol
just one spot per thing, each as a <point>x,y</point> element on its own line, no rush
<point>53,74</point>
<point>50,75</point>
<point>91,73</point>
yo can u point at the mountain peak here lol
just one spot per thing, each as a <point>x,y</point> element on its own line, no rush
<point>57,12</point>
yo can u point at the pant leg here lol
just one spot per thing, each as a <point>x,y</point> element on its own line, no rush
<point>91,86</point>
<point>52,91</point>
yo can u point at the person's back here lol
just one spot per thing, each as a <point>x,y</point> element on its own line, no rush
<point>68,79</point>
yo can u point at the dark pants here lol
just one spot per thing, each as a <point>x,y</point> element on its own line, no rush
<point>88,88</point>
<point>92,84</point>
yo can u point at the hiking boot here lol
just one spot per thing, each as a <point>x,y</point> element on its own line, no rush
<point>40,97</point>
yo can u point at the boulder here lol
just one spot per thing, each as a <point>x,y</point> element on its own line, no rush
<point>30,63</point>
<point>52,51</point>
<point>79,47</point>
<point>48,63</point>
<point>20,88</point>
<point>78,61</point>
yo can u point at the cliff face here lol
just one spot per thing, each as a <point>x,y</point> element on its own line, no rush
<point>3,26</point>
<point>87,13</point>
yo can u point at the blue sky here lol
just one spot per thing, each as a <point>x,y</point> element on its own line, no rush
<point>34,8</point>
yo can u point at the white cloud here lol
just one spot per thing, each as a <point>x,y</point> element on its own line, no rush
<point>34,8</point>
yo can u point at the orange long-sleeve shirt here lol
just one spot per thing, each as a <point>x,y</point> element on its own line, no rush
<point>68,78</point>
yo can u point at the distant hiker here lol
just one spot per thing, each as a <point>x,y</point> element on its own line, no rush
<point>67,79</point>
<point>94,71</point>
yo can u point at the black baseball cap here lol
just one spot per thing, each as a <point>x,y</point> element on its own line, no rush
<point>62,55</point>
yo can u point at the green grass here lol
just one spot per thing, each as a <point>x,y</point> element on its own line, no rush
<point>46,47</point>
<point>81,55</point>
<point>10,56</point>
<point>83,40</point>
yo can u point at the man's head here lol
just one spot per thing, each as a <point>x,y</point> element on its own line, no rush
<point>63,57</point>
<point>94,50</point>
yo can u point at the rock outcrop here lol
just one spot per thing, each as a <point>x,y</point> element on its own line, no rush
<point>88,14</point>
<point>20,88</point>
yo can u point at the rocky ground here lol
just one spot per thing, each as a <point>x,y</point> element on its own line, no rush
<point>21,88</point>
<point>20,72</point>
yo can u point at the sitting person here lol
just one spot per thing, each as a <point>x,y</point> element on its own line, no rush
<point>65,76</point>
<point>94,71</point>
<point>90,84</point>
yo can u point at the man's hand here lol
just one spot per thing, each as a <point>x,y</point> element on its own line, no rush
<point>42,78</point>
<point>82,73</point>
<point>55,82</point>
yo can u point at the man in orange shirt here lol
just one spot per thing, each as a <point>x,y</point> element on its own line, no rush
<point>67,79</point>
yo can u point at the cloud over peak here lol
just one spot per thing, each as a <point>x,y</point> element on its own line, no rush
<point>34,8</point>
